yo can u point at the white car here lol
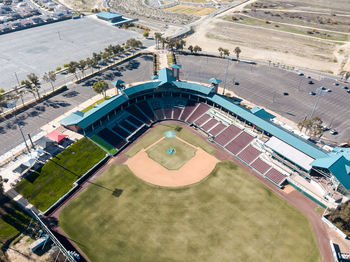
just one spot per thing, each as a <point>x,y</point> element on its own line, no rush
<point>333,132</point>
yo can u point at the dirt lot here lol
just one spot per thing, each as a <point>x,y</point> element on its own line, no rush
<point>287,43</point>
<point>191,10</point>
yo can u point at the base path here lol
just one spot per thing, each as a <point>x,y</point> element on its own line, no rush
<point>195,170</point>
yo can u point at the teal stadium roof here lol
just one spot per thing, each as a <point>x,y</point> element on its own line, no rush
<point>108,15</point>
<point>175,66</point>
<point>214,81</point>
<point>338,163</point>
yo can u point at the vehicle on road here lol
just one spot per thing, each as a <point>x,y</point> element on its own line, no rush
<point>285,94</point>
<point>333,132</point>
<point>312,93</point>
<point>310,82</point>
<point>329,90</point>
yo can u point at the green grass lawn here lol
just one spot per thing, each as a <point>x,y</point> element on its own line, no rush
<point>44,187</point>
<point>13,220</point>
<point>183,153</point>
<point>157,133</point>
<point>229,216</point>
<point>96,103</point>
<point>105,145</point>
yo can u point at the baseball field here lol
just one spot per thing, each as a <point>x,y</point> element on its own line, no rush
<point>226,216</point>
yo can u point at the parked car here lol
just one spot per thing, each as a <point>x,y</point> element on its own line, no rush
<point>312,93</point>
<point>285,94</point>
<point>308,77</point>
<point>236,83</point>
<point>310,82</point>
<point>348,91</point>
<point>333,132</point>
<point>323,88</point>
<point>301,74</point>
<point>329,90</point>
<point>345,87</point>
<point>335,83</point>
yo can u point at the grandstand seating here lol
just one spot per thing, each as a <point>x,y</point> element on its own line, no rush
<point>159,113</point>
<point>177,112</point>
<point>275,176</point>
<point>134,121</point>
<point>133,110</point>
<point>191,105</point>
<point>217,129</point>
<point>237,144</point>
<point>200,110</point>
<point>225,136</point>
<point>210,124</point>
<point>145,108</point>
<point>112,138</point>
<point>126,125</point>
<point>120,131</point>
<point>202,120</point>
<point>260,165</point>
<point>168,111</point>
<point>249,154</point>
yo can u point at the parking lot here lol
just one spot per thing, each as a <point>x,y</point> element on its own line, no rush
<point>265,85</point>
<point>135,70</point>
<point>44,48</point>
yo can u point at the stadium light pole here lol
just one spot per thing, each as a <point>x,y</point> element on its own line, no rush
<point>223,91</point>
<point>320,92</point>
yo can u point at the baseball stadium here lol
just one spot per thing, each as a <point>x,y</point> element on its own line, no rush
<point>197,176</point>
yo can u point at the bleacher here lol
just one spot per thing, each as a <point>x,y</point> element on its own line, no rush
<point>120,131</point>
<point>126,125</point>
<point>190,106</point>
<point>275,176</point>
<point>237,144</point>
<point>225,136</point>
<point>260,165</point>
<point>159,113</point>
<point>168,111</point>
<point>217,129</point>
<point>210,124</point>
<point>202,120</point>
<point>249,154</point>
<point>145,108</point>
<point>199,111</point>
<point>177,112</point>
<point>112,138</point>
<point>133,110</point>
<point>134,121</point>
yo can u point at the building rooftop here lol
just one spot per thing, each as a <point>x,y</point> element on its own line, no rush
<point>108,15</point>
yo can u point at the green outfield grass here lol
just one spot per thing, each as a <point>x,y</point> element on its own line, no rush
<point>183,153</point>
<point>229,216</point>
<point>157,133</point>
<point>45,186</point>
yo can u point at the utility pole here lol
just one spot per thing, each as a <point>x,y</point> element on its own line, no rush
<point>320,93</point>
<point>20,130</point>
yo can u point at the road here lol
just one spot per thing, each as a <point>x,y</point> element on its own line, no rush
<point>139,69</point>
<point>264,85</point>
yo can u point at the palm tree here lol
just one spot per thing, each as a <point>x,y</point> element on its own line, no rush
<point>197,49</point>
<point>90,63</point>
<point>157,37</point>
<point>19,92</point>
<point>72,68</point>
<point>33,84</point>
<point>2,98</point>
<point>190,48</point>
<point>100,87</point>
<point>237,52</point>
<point>226,52</point>
<point>50,77</point>
<point>179,44</point>
<point>221,51</point>
<point>82,66</point>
